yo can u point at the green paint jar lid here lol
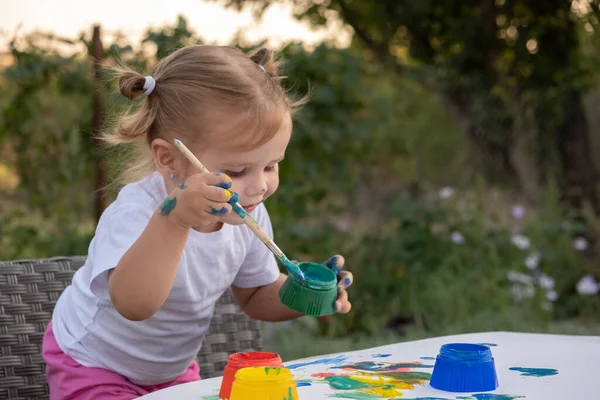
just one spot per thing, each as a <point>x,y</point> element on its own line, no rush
<point>316,295</point>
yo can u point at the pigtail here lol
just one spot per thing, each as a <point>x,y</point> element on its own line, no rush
<point>131,84</point>
<point>265,59</point>
<point>135,125</point>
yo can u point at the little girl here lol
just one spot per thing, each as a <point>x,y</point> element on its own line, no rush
<point>135,315</point>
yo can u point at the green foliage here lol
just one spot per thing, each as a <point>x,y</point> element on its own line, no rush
<point>27,235</point>
<point>511,73</point>
<point>46,136</point>
<point>361,129</point>
<point>47,124</point>
<point>450,265</point>
<point>170,39</point>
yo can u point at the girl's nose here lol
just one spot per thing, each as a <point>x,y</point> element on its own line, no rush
<point>257,187</point>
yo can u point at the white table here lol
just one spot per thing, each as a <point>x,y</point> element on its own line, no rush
<point>576,359</point>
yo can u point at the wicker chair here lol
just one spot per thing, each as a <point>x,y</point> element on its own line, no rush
<point>28,292</point>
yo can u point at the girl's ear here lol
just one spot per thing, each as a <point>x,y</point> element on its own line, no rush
<point>166,158</point>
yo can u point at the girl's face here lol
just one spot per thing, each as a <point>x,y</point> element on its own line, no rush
<point>255,173</point>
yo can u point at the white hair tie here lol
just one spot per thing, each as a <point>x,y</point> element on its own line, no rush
<point>149,85</point>
<point>263,68</point>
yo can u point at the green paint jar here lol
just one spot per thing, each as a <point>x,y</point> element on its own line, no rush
<point>316,295</point>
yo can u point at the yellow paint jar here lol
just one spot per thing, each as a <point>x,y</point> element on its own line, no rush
<point>264,383</point>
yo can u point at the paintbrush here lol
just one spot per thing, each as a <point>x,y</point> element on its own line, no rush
<point>247,218</point>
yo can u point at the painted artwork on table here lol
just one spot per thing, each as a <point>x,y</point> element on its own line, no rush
<point>385,376</point>
<point>366,380</point>
<point>528,366</point>
<point>364,376</point>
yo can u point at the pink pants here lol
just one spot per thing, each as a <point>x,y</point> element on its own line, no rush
<point>69,380</point>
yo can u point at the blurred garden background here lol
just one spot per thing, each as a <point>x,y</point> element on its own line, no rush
<point>449,152</point>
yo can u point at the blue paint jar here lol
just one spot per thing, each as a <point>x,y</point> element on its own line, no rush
<point>464,367</point>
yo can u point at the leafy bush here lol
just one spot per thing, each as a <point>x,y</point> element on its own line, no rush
<point>453,264</point>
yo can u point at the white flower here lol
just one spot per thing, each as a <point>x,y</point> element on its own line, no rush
<point>520,241</point>
<point>519,277</point>
<point>519,292</point>
<point>516,292</point>
<point>552,295</point>
<point>457,238</point>
<point>588,286</point>
<point>446,192</point>
<point>528,291</point>
<point>546,282</point>
<point>533,260</point>
<point>580,243</point>
<point>518,211</point>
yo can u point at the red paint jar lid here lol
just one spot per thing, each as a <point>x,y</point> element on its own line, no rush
<point>254,359</point>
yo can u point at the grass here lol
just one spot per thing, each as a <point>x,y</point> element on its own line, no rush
<point>297,339</point>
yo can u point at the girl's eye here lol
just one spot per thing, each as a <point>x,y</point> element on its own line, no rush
<point>271,168</point>
<point>235,174</point>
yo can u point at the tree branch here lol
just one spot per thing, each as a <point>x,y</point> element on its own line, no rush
<point>380,49</point>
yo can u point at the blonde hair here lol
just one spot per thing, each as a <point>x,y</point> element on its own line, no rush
<point>207,94</point>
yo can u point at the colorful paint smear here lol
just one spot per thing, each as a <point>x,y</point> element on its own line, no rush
<point>330,360</point>
<point>354,396</point>
<point>211,397</point>
<point>382,367</point>
<point>376,380</point>
<point>370,380</point>
<point>427,358</point>
<point>428,398</point>
<point>490,396</point>
<point>374,386</point>
<point>380,355</point>
<point>537,372</point>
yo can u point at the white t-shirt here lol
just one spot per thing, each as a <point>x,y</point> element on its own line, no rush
<point>90,330</point>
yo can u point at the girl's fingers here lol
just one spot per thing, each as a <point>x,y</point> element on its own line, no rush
<point>336,263</point>
<point>214,208</point>
<point>342,305</point>
<point>217,179</point>
<point>345,280</point>
<point>219,195</point>
<point>212,187</point>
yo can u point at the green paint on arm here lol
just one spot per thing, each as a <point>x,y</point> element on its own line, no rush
<point>182,185</point>
<point>167,206</point>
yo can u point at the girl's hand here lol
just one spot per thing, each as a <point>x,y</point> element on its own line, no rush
<point>200,200</point>
<point>345,279</point>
